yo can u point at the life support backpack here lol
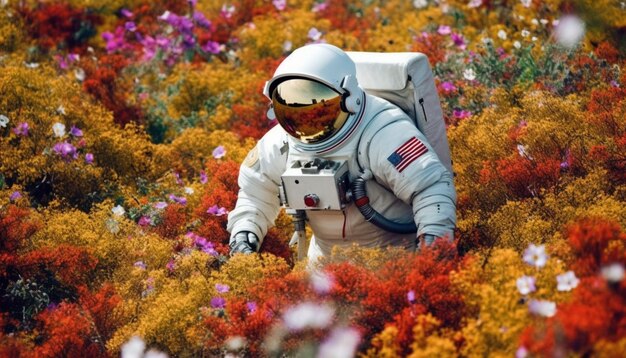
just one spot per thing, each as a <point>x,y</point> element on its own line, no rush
<point>406,80</point>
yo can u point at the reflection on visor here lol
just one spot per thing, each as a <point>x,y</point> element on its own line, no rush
<point>308,110</point>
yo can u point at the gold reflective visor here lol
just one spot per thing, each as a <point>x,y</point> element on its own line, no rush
<point>309,111</point>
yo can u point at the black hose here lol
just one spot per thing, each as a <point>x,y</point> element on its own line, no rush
<point>359,194</point>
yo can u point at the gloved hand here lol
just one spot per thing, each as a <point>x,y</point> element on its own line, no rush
<point>244,242</point>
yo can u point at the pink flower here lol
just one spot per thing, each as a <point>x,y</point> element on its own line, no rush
<point>461,113</point>
<point>444,30</point>
<point>171,265</point>
<point>126,13</point>
<point>319,6</point>
<point>219,152</point>
<point>221,288</point>
<point>279,4</point>
<point>144,221</point>
<point>448,87</point>
<point>410,296</point>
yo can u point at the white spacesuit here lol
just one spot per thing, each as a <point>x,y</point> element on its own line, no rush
<point>323,113</point>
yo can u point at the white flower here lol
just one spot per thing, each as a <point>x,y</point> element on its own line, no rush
<point>235,343</point>
<point>487,41</point>
<point>153,353</point>
<point>342,343</point>
<point>567,281</point>
<point>517,44</point>
<point>133,348</point>
<point>474,3</point>
<point>118,210</point>
<point>79,73</point>
<point>542,308</point>
<point>544,22</point>
<point>569,31</point>
<point>419,4</point>
<point>308,315</point>
<point>534,38</point>
<point>536,255</point>
<point>521,352</point>
<point>31,64</point>
<point>526,285</point>
<point>287,46</point>
<point>4,120</point>
<point>526,3</point>
<point>61,109</point>
<point>189,190</point>
<point>534,22</point>
<point>525,33</point>
<point>613,273</point>
<point>502,34</point>
<point>469,74</point>
<point>321,282</point>
<point>58,129</point>
<point>523,152</point>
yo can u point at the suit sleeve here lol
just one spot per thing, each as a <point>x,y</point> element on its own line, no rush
<point>401,159</point>
<point>258,202</point>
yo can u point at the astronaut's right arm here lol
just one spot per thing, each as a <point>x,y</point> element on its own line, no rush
<point>258,201</point>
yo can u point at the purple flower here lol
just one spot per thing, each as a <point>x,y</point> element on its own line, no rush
<point>218,302</point>
<point>76,132</point>
<point>178,199</point>
<point>160,205</point>
<point>65,150</point>
<point>140,264</point>
<point>21,129</point>
<point>458,40</point>
<point>410,296</point>
<point>179,181</point>
<point>126,13</point>
<point>448,87</point>
<point>192,2</point>
<point>114,41</point>
<point>201,20</point>
<point>211,47</point>
<point>203,177</point>
<point>62,62</point>
<point>444,30</point>
<point>202,244</point>
<point>217,211</point>
<point>171,265</point>
<point>221,288</point>
<point>252,306</point>
<point>565,164</point>
<point>614,84</point>
<point>219,152</point>
<point>89,158</point>
<point>130,26</point>
<point>15,196</point>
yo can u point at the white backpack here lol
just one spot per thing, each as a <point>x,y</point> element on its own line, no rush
<point>406,80</point>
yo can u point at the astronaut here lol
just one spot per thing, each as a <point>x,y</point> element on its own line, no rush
<point>323,113</point>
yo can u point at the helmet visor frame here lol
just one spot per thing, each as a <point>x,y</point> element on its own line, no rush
<point>308,110</point>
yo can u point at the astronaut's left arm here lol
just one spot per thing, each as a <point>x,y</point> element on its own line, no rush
<point>402,160</point>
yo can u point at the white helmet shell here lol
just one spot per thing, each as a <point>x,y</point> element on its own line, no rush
<point>326,64</point>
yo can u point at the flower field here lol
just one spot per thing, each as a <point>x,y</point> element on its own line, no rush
<point>123,124</point>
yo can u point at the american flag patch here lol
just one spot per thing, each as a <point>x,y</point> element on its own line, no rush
<point>407,153</point>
